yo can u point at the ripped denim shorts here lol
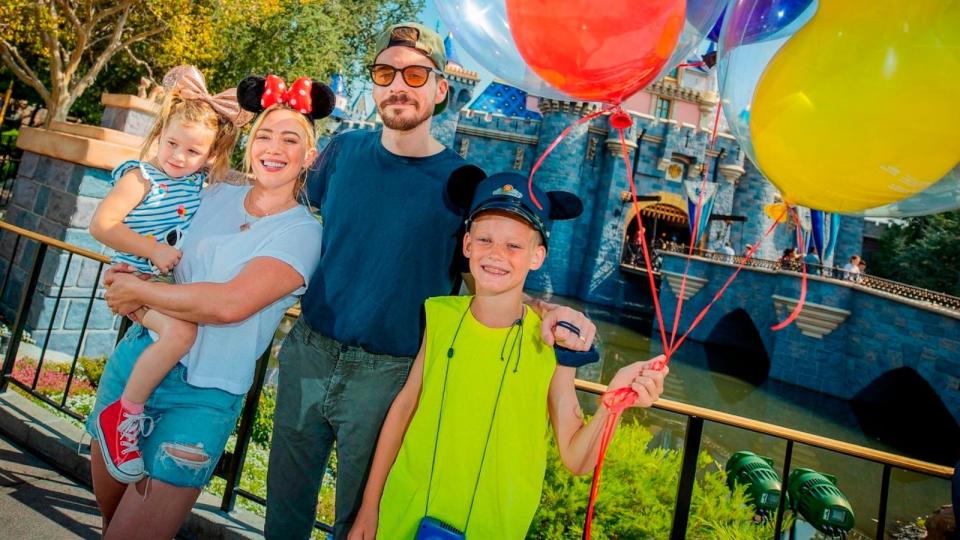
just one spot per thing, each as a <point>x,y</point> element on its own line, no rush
<point>191,424</point>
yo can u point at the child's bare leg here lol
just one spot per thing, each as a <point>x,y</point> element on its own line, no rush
<point>175,339</point>
<point>120,424</point>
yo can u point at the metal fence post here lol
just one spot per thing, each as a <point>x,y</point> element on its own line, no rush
<point>688,473</point>
<point>22,312</point>
<point>244,432</point>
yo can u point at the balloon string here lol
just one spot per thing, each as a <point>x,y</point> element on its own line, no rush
<point>615,402</point>
<point>553,145</point>
<point>643,244</point>
<point>696,226</point>
<point>686,268</point>
<point>803,280</point>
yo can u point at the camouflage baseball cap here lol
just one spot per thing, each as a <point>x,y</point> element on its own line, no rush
<point>421,38</point>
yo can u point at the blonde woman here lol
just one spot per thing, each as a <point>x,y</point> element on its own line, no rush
<point>250,253</point>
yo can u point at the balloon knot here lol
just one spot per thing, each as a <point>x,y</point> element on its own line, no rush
<point>620,119</point>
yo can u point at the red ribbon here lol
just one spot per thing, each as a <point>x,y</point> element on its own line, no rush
<point>297,97</point>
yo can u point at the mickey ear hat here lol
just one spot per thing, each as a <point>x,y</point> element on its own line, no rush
<point>507,192</point>
<point>252,90</point>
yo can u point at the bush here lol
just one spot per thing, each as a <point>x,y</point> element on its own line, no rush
<point>263,421</point>
<point>637,496</point>
<point>92,368</point>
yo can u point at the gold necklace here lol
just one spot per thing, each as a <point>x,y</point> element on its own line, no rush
<point>247,222</point>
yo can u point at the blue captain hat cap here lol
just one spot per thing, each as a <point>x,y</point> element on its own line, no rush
<point>509,192</point>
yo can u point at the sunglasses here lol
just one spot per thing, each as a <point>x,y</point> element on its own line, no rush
<point>415,76</point>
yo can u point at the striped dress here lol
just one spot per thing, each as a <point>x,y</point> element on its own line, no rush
<point>164,213</point>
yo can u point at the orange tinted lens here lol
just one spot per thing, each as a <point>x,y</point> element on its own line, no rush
<point>382,75</point>
<point>415,75</point>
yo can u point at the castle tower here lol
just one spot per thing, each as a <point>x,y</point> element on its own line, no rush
<point>562,171</point>
<point>462,84</point>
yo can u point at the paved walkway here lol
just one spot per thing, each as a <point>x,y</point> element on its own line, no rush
<point>38,502</point>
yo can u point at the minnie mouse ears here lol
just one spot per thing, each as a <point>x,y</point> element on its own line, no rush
<point>311,98</point>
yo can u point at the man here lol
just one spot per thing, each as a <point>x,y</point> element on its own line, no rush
<point>727,250</point>
<point>391,231</point>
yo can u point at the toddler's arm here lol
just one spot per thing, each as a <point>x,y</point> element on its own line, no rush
<point>388,445</point>
<point>579,443</point>
<point>107,224</point>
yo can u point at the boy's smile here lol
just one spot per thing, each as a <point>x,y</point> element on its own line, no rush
<point>502,250</point>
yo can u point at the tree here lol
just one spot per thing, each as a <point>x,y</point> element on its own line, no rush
<point>59,47</point>
<point>922,251</point>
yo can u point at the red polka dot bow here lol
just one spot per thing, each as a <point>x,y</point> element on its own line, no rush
<point>296,97</point>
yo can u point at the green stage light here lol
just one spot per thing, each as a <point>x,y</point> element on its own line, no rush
<point>815,497</point>
<point>755,472</point>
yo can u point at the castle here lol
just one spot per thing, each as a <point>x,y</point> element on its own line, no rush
<point>504,129</point>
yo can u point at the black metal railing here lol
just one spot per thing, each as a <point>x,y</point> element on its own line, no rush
<point>895,288</point>
<point>37,248</point>
<point>9,162</point>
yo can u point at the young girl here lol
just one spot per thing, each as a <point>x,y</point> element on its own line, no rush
<point>143,218</point>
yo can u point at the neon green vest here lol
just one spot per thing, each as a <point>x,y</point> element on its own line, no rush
<point>510,484</point>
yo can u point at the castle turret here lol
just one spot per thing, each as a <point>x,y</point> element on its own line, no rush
<point>462,83</point>
<point>562,171</point>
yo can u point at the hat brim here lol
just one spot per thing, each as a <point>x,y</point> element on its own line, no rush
<point>511,206</point>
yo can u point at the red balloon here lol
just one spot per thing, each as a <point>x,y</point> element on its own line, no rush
<point>596,51</point>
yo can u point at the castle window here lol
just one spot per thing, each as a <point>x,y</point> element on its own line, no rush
<point>464,147</point>
<point>664,108</point>
<point>518,159</point>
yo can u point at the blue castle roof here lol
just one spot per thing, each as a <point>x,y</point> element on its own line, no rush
<point>499,98</point>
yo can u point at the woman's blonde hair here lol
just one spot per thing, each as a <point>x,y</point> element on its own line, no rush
<point>310,136</point>
<point>194,111</point>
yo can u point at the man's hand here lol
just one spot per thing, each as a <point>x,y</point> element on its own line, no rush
<point>165,257</point>
<point>558,324</point>
<point>644,378</point>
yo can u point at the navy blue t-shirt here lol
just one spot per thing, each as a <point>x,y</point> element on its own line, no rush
<point>390,238</point>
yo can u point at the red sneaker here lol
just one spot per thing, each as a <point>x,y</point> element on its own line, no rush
<point>118,432</point>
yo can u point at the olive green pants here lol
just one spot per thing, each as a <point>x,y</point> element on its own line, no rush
<point>327,393</point>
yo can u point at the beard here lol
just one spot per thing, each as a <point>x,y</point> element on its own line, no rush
<point>398,121</point>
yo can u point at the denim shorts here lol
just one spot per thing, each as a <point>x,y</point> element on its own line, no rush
<point>188,420</point>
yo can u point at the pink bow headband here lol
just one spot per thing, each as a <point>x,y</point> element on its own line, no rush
<point>190,83</point>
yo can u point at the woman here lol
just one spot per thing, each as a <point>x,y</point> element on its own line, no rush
<point>249,253</point>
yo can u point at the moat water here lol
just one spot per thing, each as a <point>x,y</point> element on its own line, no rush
<point>694,380</point>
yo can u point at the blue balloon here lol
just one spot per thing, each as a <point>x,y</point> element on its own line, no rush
<point>714,34</point>
<point>701,16</point>
<point>764,20</point>
<point>482,29</point>
<point>943,196</point>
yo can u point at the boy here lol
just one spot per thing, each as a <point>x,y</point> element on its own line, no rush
<point>464,444</point>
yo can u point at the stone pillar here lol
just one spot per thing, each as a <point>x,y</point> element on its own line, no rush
<point>561,171</point>
<point>63,176</point>
<point>129,114</point>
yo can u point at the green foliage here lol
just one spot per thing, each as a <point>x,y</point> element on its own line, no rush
<point>263,421</point>
<point>92,368</point>
<point>637,495</point>
<point>923,252</point>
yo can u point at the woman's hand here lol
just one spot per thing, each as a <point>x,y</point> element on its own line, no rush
<point>122,291</point>
<point>365,526</point>
<point>644,378</point>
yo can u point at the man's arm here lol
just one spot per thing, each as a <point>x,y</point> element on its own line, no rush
<point>388,446</point>
<point>579,443</point>
<point>261,282</point>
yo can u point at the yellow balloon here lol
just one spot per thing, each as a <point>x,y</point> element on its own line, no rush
<point>860,107</point>
<point>776,211</point>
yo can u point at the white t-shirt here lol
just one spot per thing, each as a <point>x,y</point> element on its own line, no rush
<point>215,250</point>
